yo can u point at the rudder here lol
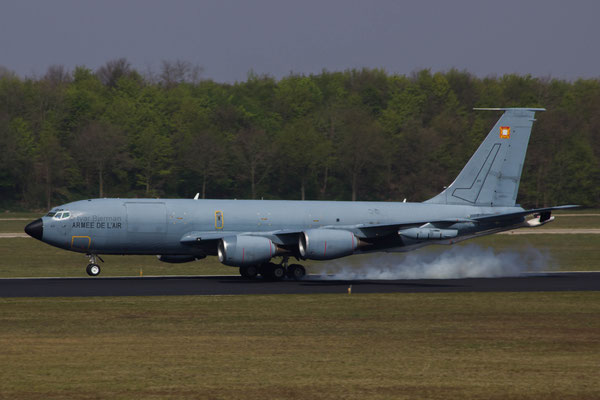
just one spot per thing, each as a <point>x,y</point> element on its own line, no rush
<point>491,177</point>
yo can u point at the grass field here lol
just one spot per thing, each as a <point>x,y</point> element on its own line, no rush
<point>436,346</point>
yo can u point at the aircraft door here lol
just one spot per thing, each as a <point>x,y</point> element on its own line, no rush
<point>219,220</point>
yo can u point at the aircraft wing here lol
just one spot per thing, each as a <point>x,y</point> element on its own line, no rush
<point>290,236</point>
<point>281,236</point>
<point>366,231</point>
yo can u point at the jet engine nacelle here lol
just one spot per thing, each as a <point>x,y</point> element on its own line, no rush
<point>178,259</point>
<point>245,250</point>
<point>327,244</point>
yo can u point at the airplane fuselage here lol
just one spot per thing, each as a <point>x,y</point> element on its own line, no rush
<point>157,226</point>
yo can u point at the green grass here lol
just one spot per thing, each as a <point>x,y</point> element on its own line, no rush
<point>9,226</point>
<point>380,346</point>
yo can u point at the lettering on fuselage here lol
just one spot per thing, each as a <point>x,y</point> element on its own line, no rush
<point>97,222</point>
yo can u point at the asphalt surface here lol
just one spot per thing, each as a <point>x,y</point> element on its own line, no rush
<point>233,285</point>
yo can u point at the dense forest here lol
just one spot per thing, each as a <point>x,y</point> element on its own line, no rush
<point>352,135</point>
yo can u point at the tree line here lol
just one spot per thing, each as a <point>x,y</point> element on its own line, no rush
<point>360,134</point>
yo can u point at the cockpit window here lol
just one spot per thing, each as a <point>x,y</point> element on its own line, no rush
<point>51,214</point>
<point>62,215</point>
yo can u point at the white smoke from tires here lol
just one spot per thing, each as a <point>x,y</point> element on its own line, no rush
<point>465,261</point>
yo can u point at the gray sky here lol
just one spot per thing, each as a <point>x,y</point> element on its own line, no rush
<point>229,38</point>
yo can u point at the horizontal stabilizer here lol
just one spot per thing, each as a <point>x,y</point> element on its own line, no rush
<point>500,217</point>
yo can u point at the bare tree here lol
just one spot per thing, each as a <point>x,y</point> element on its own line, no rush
<point>6,73</point>
<point>110,73</point>
<point>57,75</point>
<point>179,71</point>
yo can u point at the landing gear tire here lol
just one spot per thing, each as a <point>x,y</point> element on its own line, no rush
<point>296,272</point>
<point>249,271</point>
<point>278,272</point>
<point>272,271</point>
<point>93,269</point>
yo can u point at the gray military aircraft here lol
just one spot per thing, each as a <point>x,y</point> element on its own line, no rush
<point>249,233</point>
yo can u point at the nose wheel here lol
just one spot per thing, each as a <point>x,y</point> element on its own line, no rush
<point>93,269</point>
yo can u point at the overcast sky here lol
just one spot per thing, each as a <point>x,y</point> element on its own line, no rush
<point>229,38</point>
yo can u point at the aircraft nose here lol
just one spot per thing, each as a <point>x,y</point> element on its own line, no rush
<point>35,229</point>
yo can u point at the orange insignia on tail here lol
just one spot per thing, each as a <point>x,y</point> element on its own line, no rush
<point>505,132</point>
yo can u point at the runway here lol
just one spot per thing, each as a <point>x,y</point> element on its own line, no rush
<point>233,285</point>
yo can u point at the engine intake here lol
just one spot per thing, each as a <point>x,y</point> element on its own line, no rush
<point>240,250</point>
<point>327,244</point>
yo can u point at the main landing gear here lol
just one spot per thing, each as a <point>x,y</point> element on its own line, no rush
<point>296,272</point>
<point>93,269</point>
<point>249,271</point>
<point>274,272</point>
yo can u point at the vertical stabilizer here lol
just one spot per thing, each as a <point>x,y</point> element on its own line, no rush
<point>492,175</point>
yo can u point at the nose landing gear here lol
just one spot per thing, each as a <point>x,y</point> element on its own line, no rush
<point>93,269</point>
